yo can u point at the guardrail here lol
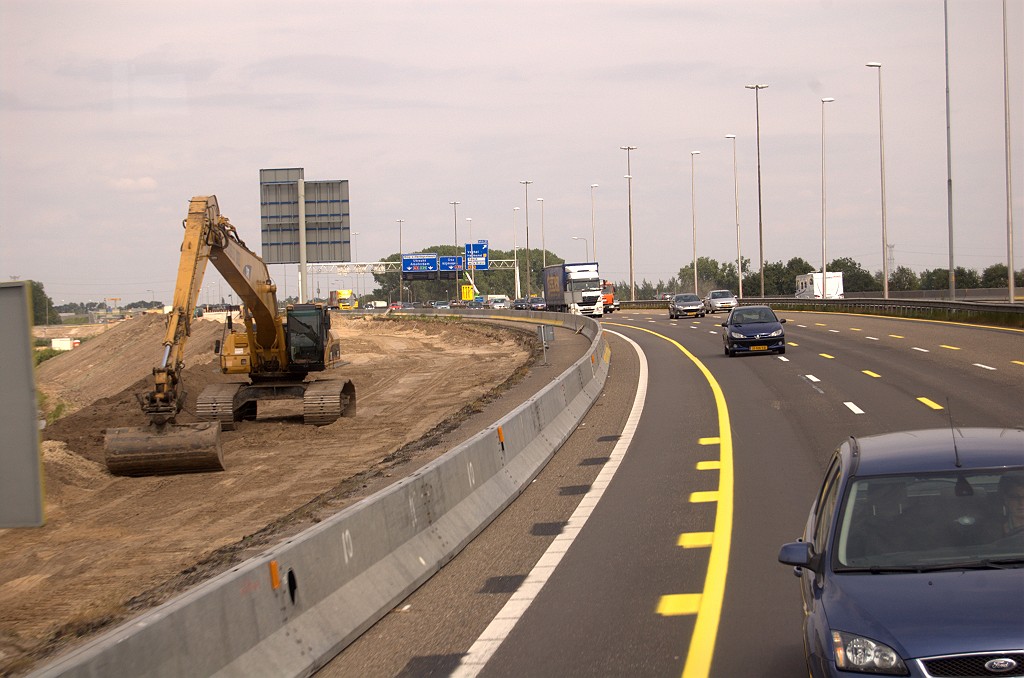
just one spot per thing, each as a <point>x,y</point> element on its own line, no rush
<point>978,313</point>
<point>289,610</point>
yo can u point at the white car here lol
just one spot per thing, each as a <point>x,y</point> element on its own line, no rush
<point>720,300</point>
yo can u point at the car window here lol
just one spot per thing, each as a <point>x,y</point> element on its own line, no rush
<point>826,506</point>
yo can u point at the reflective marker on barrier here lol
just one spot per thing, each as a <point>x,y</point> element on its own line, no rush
<point>275,576</point>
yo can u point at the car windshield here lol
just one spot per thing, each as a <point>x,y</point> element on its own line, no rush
<point>934,521</point>
<point>682,298</point>
<point>753,315</point>
<point>721,295</point>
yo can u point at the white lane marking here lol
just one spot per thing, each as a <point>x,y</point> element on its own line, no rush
<point>783,358</point>
<point>872,338</point>
<point>836,331</point>
<point>501,626</point>
<point>922,350</point>
<point>854,408</point>
<point>984,367</point>
<point>811,377</point>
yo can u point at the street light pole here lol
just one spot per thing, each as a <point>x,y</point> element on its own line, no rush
<point>526,184</point>
<point>1009,166</point>
<point>543,247</point>
<point>515,253</point>
<point>736,192</point>
<point>593,220</point>
<point>881,155</point>
<point>824,271</point>
<point>586,248</point>
<point>629,189</point>
<point>760,221</point>
<point>400,222</point>
<point>355,256</point>
<point>455,206</point>
<point>949,160</point>
<point>693,213</point>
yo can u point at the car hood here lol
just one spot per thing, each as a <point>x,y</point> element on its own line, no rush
<point>934,613</point>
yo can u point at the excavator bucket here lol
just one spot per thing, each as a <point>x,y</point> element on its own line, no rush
<point>162,450</point>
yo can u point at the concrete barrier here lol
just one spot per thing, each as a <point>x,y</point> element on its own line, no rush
<point>289,610</point>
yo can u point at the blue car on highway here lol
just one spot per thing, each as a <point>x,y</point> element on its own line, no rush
<point>753,329</point>
<point>912,557</point>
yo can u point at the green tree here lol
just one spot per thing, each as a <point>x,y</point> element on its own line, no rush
<point>934,279</point>
<point>995,276</point>
<point>967,278</point>
<point>903,279</point>
<point>43,312</point>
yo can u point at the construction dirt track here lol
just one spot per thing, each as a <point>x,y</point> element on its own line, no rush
<point>113,546</point>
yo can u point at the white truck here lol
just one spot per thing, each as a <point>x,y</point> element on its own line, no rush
<point>574,288</point>
<point>808,286</point>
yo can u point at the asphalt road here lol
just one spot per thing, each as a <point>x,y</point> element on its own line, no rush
<point>674,571</point>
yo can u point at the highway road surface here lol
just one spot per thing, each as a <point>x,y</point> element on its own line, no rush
<point>647,546</point>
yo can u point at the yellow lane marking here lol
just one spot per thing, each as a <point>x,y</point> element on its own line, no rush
<point>679,604</point>
<point>695,540</point>
<point>826,355</point>
<point>709,603</point>
<point>930,403</point>
<point>951,348</point>
<point>792,343</point>
<point>703,497</point>
<point>871,374</point>
<point>1017,362</point>
<point>821,324</point>
<point>709,465</point>
<point>856,329</point>
<point>896,336</point>
<point>709,441</point>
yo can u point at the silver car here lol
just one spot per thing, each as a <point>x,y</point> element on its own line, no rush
<point>720,300</point>
<point>682,305</point>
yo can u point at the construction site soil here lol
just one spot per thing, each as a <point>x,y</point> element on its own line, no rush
<point>113,547</point>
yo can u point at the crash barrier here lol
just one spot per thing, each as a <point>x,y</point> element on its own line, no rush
<point>979,313</point>
<point>289,610</point>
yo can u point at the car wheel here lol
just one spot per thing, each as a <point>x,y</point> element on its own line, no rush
<point>726,349</point>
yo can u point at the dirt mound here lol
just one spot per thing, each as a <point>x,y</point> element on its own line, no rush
<point>116,359</point>
<point>114,546</point>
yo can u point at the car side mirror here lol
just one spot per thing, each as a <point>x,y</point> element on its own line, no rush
<point>799,554</point>
<point>782,320</point>
<point>725,324</point>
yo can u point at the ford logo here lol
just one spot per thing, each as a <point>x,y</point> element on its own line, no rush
<point>1000,665</point>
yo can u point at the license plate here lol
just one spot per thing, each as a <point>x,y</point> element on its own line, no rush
<point>758,348</point>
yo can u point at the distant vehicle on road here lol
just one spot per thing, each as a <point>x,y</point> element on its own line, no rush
<point>808,286</point>
<point>538,304</point>
<point>521,305</point>
<point>753,329</point>
<point>720,300</point>
<point>911,561</point>
<point>475,305</point>
<point>682,305</point>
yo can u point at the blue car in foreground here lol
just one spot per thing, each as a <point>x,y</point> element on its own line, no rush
<point>912,558</point>
<point>753,329</point>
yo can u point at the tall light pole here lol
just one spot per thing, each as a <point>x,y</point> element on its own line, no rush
<point>693,213</point>
<point>949,160</point>
<point>455,206</point>
<point>629,193</point>
<point>543,247</point>
<point>400,222</point>
<point>467,268</point>
<point>515,253</point>
<point>355,258</point>
<point>760,221</point>
<point>526,184</point>
<point>593,220</point>
<point>586,249</point>
<point>1009,167</point>
<point>881,156</point>
<point>824,266</point>
<point>736,193</point>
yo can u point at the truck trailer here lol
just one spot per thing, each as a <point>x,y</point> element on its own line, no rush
<point>808,286</point>
<point>574,288</point>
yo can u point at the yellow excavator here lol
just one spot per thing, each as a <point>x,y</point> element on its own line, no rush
<point>276,350</point>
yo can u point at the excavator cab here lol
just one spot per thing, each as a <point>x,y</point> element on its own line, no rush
<point>307,334</point>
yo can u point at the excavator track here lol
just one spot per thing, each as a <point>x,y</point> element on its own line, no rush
<point>326,400</point>
<point>217,403</point>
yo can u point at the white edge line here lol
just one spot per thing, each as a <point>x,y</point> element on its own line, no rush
<point>854,408</point>
<point>501,626</point>
<point>811,377</point>
<point>984,367</point>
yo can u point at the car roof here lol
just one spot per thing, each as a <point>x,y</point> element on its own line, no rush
<point>933,450</point>
<point>687,295</point>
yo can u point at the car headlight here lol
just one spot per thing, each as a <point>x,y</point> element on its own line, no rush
<point>857,653</point>
<point>737,335</point>
<point>776,333</point>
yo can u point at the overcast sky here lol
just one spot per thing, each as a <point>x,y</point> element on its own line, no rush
<point>112,115</point>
